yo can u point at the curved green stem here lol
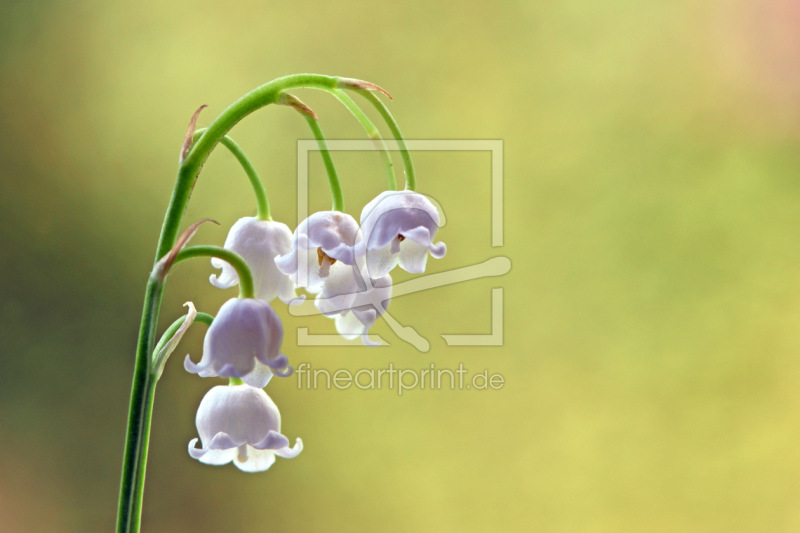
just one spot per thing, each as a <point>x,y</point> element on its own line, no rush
<point>191,165</point>
<point>262,201</point>
<point>411,177</point>
<point>143,385</point>
<point>337,198</point>
<point>372,133</point>
<point>246,285</point>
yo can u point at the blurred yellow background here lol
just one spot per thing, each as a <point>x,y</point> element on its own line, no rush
<point>651,207</point>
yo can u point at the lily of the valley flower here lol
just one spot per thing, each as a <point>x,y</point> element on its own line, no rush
<point>244,342</point>
<point>242,424</point>
<point>258,242</point>
<point>354,300</point>
<point>321,243</point>
<point>398,227</point>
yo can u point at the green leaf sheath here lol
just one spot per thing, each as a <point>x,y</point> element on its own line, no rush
<point>337,198</point>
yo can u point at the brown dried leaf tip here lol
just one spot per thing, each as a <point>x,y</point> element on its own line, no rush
<point>187,141</point>
<point>352,83</point>
<point>293,101</point>
<point>166,262</point>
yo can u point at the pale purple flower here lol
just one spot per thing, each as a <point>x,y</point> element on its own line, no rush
<point>321,243</point>
<point>398,227</point>
<point>242,424</point>
<point>244,342</point>
<point>354,300</point>
<point>258,242</point>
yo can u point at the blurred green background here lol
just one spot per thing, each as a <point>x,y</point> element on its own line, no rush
<point>651,217</point>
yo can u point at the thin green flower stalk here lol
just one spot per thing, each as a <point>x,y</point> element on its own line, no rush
<point>408,165</point>
<point>337,198</point>
<point>262,200</point>
<point>193,156</point>
<point>372,133</point>
<point>246,284</point>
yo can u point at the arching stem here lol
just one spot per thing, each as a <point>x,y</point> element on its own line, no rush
<point>408,165</point>
<point>262,201</point>
<point>372,133</point>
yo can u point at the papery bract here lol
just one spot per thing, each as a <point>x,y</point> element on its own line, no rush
<point>258,242</point>
<point>398,227</point>
<point>242,424</point>
<point>244,342</point>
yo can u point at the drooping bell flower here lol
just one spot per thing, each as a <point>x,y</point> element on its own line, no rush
<point>398,227</point>
<point>242,424</point>
<point>321,243</point>
<point>258,242</point>
<point>244,342</point>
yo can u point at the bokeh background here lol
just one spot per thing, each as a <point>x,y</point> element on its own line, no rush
<point>652,216</point>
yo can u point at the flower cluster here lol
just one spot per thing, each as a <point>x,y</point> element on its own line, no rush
<point>345,264</point>
<point>348,266</point>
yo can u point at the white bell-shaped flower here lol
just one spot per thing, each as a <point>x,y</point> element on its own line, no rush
<point>398,227</point>
<point>354,300</point>
<point>242,424</point>
<point>244,342</point>
<point>321,243</point>
<point>258,242</point>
